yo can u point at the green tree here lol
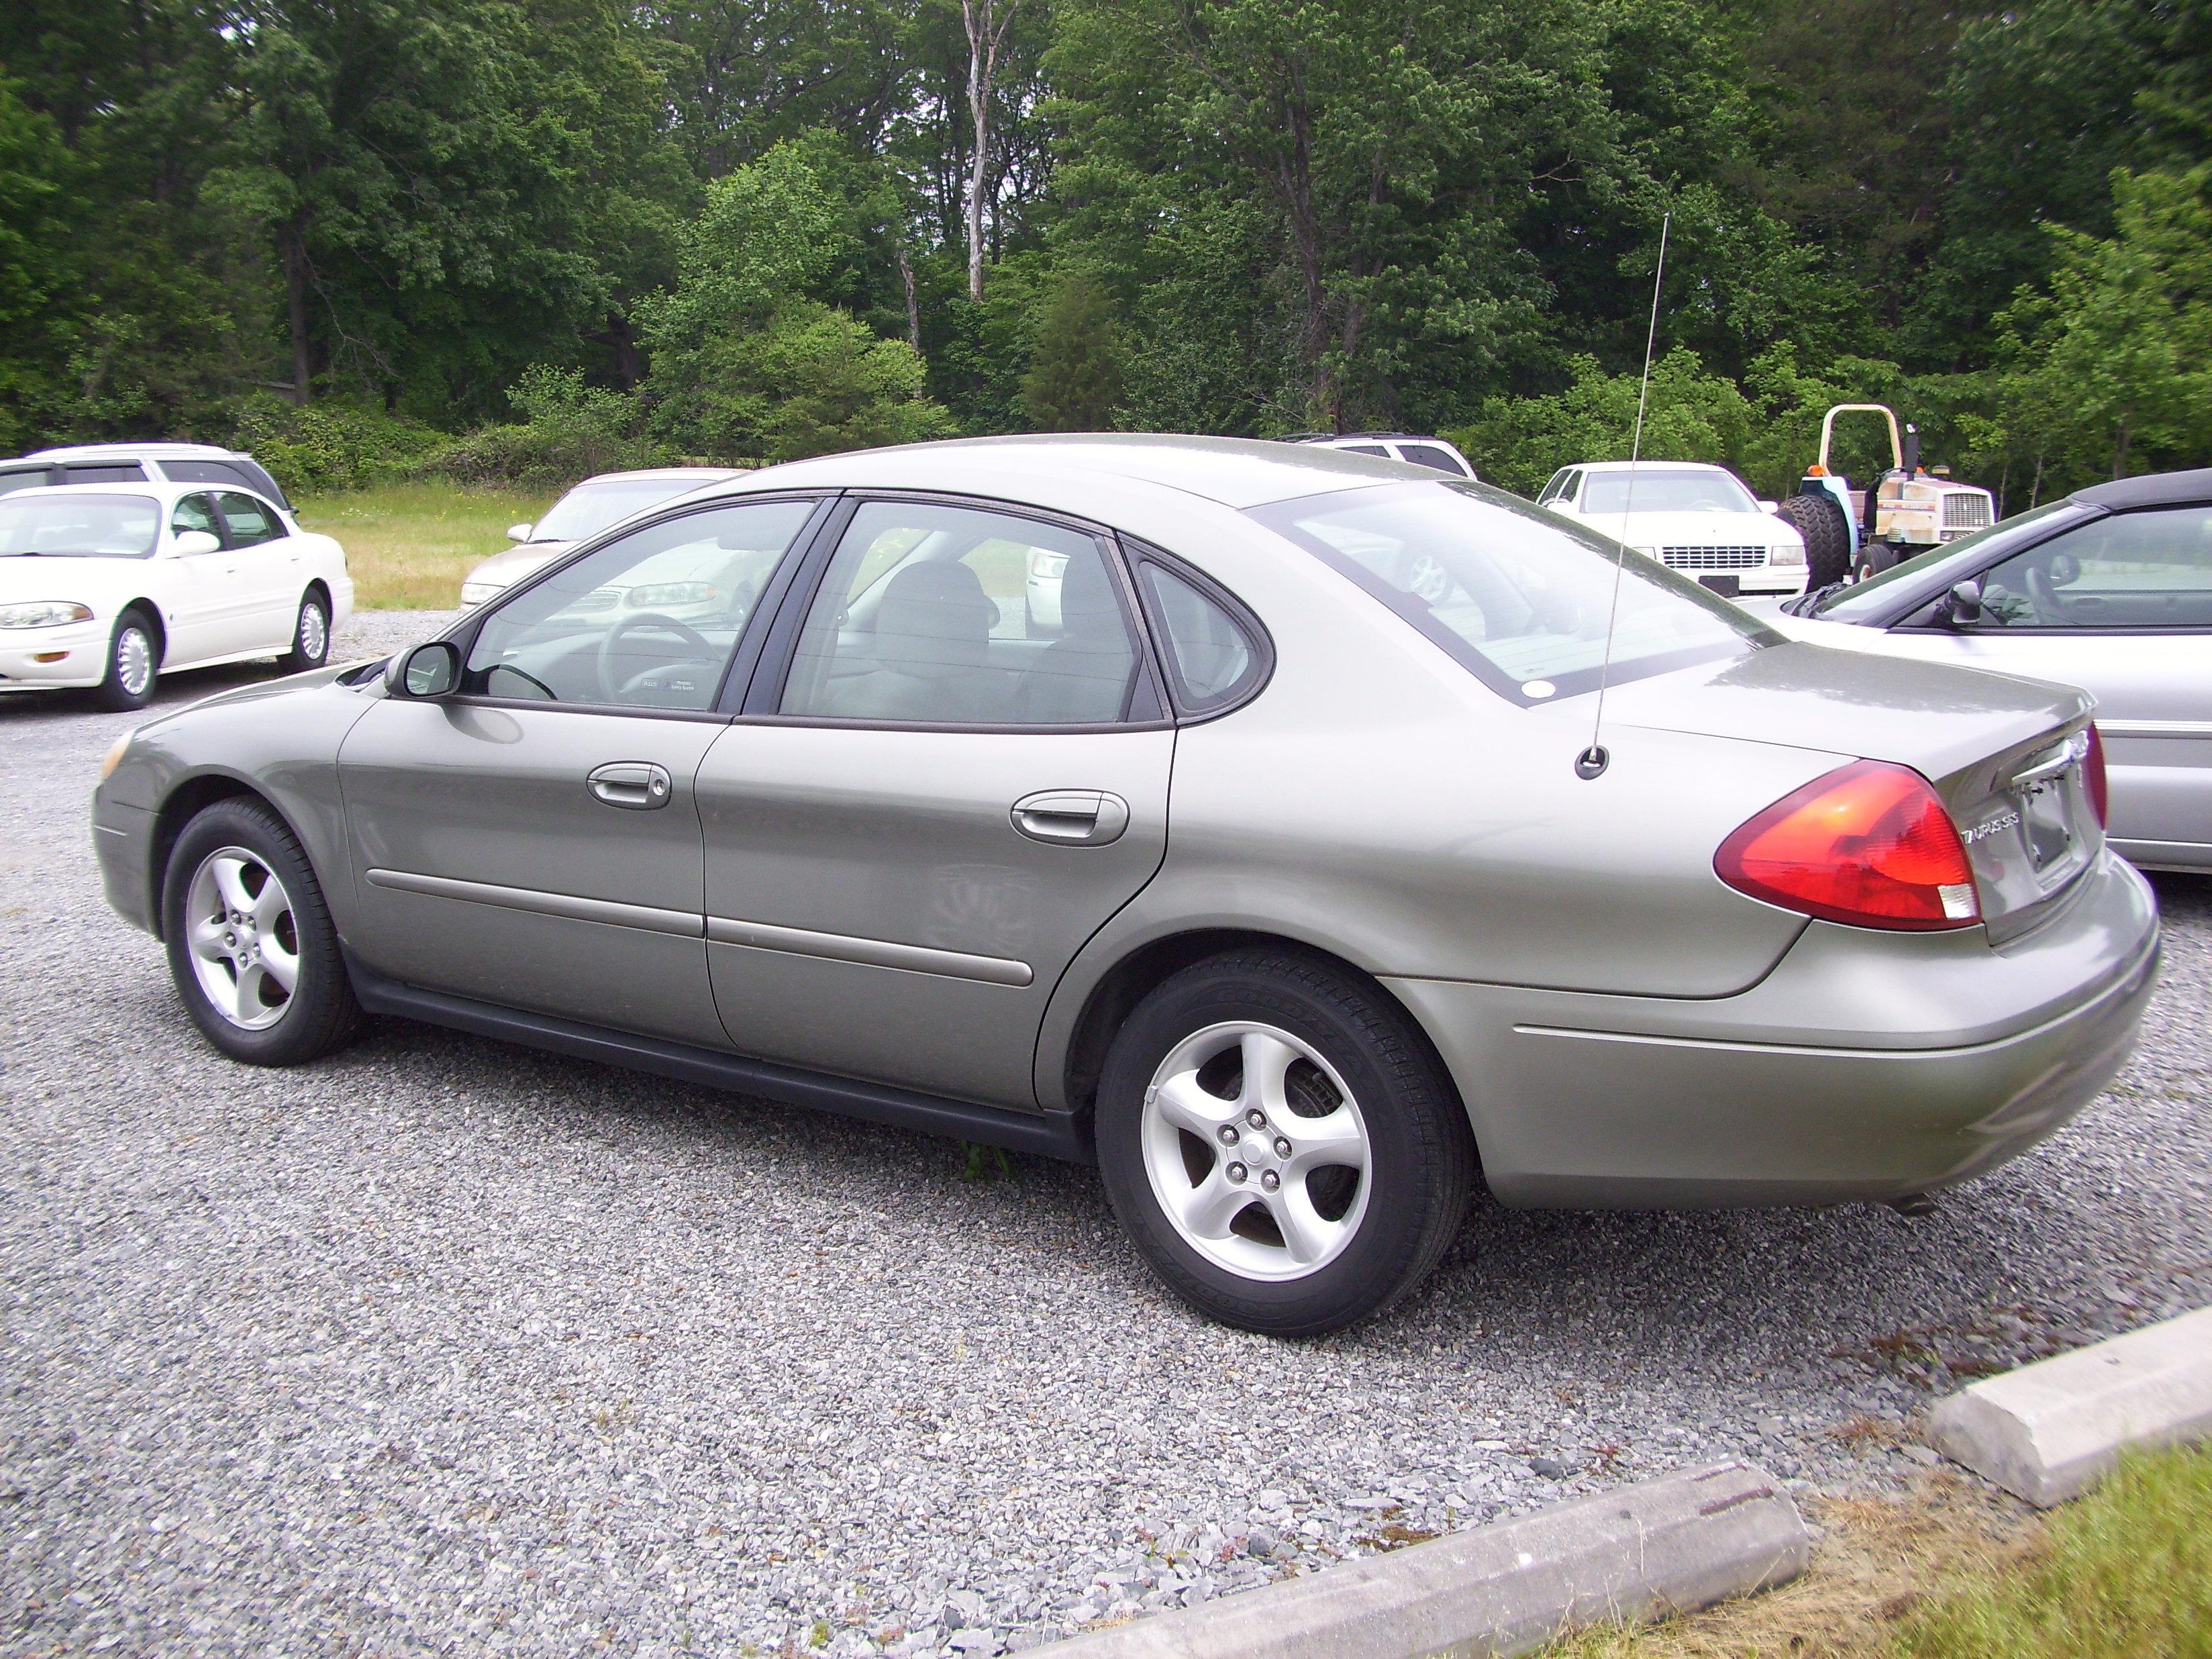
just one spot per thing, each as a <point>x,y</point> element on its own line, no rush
<point>1074,378</point>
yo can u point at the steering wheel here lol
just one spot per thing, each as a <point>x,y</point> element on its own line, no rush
<point>637,623</point>
<point>2050,608</point>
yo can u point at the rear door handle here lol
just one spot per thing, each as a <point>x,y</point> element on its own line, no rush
<point>638,785</point>
<point>1071,818</point>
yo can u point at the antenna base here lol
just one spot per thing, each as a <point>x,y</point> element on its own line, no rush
<point>1592,761</point>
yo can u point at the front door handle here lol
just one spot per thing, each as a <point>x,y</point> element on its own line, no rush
<point>638,785</point>
<point>1071,818</point>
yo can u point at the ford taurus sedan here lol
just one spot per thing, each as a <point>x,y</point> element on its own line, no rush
<point>1270,871</point>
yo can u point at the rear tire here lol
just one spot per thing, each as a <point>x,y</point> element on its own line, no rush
<point>241,914</point>
<point>1281,1142</point>
<point>1877,557</point>
<point>1816,517</point>
<point>311,636</point>
<point>134,664</point>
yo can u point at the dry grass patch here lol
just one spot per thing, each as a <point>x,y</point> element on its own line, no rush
<point>409,545</point>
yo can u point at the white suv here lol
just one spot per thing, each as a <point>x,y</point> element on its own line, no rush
<point>147,462</point>
<point>1432,452</point>
<point>1690,516</point>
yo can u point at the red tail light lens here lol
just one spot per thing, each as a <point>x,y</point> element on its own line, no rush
<point>2092,775</point>
<point>1870,843</point>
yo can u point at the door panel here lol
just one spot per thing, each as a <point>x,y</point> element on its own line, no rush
<point>874,911</point>
<point>203,611</point>
<point>488,866</point>
<point>270,576</point>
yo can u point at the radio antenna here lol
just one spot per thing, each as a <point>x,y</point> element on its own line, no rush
<point>1593,761</point>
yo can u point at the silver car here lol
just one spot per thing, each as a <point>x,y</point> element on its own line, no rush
<point>2109,589</point>
<point>596,504</point>
<point>1273,874</point>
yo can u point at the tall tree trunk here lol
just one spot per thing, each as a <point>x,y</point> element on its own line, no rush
<point>912,305</point>
<point>295,308</point>
<point>1294,179</point>
<point>987,32</point>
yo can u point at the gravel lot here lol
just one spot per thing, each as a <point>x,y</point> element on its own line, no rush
<point>448,1347</point>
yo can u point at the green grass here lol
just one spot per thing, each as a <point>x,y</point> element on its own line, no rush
<point>408,545</point>
<point>2124,1572</point>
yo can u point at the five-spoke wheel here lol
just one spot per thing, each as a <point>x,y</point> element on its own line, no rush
<point>243,937</point>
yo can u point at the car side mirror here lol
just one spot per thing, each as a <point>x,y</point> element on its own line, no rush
<point>191,543</point>
<point>425,673</point>
<point>519,533</point>
<point>1963,604</point>
<point>1765,505</point>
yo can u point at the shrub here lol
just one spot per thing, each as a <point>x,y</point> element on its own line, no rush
<point>567,431</point>
<point>329,445</point>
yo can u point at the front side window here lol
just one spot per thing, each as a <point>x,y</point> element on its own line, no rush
<point>251,522</point>
<point>649,621</point>
<point>80,525</point>
<point>1663,490</point>
<point>1875,599</point>
<point>2144,570</point>
<point>1518,597</point>
<point>194,512</point>
<point>953,615</point>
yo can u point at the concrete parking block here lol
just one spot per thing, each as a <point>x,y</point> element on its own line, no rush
<point>2045,1431</point>
<point>1671,1544</point>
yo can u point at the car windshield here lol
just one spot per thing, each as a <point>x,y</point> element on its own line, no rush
<point>79,524</point>
<point>590,507</point>
<point>1520,597</point>
<point>1663,490</point>
<point>1871,599</point>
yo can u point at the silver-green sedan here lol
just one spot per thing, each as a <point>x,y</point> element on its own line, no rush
<point>1234,815</point>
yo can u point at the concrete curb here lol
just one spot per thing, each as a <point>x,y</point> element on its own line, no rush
<point>1672,1545</point>
<point>2046,1430</point>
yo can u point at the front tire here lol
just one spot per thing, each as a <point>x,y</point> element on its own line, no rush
<point>134,665</point>
<point>311,636</point>
<point>252,947</point>
<point>1281,1143</point>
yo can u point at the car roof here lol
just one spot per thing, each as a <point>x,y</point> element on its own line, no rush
<point>1367,437</point>
<point>704,474</point>
<point>1236,472</point>
<point>2154,490</point>
<point>163,488</point>
<point>119,451</point>
<point>1623,466</point>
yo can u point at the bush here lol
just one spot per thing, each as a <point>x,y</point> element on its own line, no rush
<point>567,431</point>
<point>329,445</point>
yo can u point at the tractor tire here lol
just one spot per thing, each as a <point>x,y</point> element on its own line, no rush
<point>1814,515</point>
<point>1875,558</point>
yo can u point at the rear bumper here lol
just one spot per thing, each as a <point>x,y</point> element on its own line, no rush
<point>1866,1066</point>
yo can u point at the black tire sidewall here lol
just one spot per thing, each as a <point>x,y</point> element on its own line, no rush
<point>1404,1109</point>
<point>112,693</point>
<point>323,1011</point>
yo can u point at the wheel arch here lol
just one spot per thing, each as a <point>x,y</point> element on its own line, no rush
<point>191,797</point>
<point>1146,966</point>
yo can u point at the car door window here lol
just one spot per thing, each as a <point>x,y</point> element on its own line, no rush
<point>1365,449</point>
<point>1429,455</point>
<point>250,522</point>
<point>1211,660</point>
<point>29,478</point>
<point>2147,570</point>
<point>953,615</point>
<point>206,472</point>
<point>194,512</point>
<point>100,472</point>
<point>649,621</point>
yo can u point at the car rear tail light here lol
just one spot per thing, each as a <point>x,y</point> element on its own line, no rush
<point>2092,775</point>
<point>1870,843</point>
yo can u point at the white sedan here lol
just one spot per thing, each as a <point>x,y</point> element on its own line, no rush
<point>107,588</point>
<point>1689,515</point>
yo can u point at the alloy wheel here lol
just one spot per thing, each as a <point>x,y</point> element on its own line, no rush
<point>1256,1150</point>
<point>134,661</point>
<point>243,937</point>
<point>314,633</point>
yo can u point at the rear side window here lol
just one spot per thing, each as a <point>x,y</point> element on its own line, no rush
<point>1517,597</point>
<point>1364,449</point>
<point>217,473</point>
<point>104,472</point>
<point>1430,455</point>
<point>1212,659</point>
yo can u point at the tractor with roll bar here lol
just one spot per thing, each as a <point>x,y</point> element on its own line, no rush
<point>1853,533</point>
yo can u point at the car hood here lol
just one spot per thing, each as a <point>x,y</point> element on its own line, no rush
<point>96,582</point>
<point>1930,716</point>
<point>1691,529</point>
<point>524,559</point>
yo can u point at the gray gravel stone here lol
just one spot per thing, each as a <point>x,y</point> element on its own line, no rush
<point>443,1346</point>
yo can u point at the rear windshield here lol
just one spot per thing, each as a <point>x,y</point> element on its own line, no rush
<point>1518,596</point>
<point>81,524</point>
<point>590,507</point>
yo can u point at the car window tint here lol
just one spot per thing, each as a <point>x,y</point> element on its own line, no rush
<point>1365,449</point>
<point>649,621</point>
<point>955,616</point>
<point>195,512</point>
<point>101,473</point>
<point>1208,655</point>
<point>1519,597</point>
<point>1430,455</point>
<point>251,522</point>
<point>208,472</point>
<point>27,478</point>
<point>2150,569</point>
